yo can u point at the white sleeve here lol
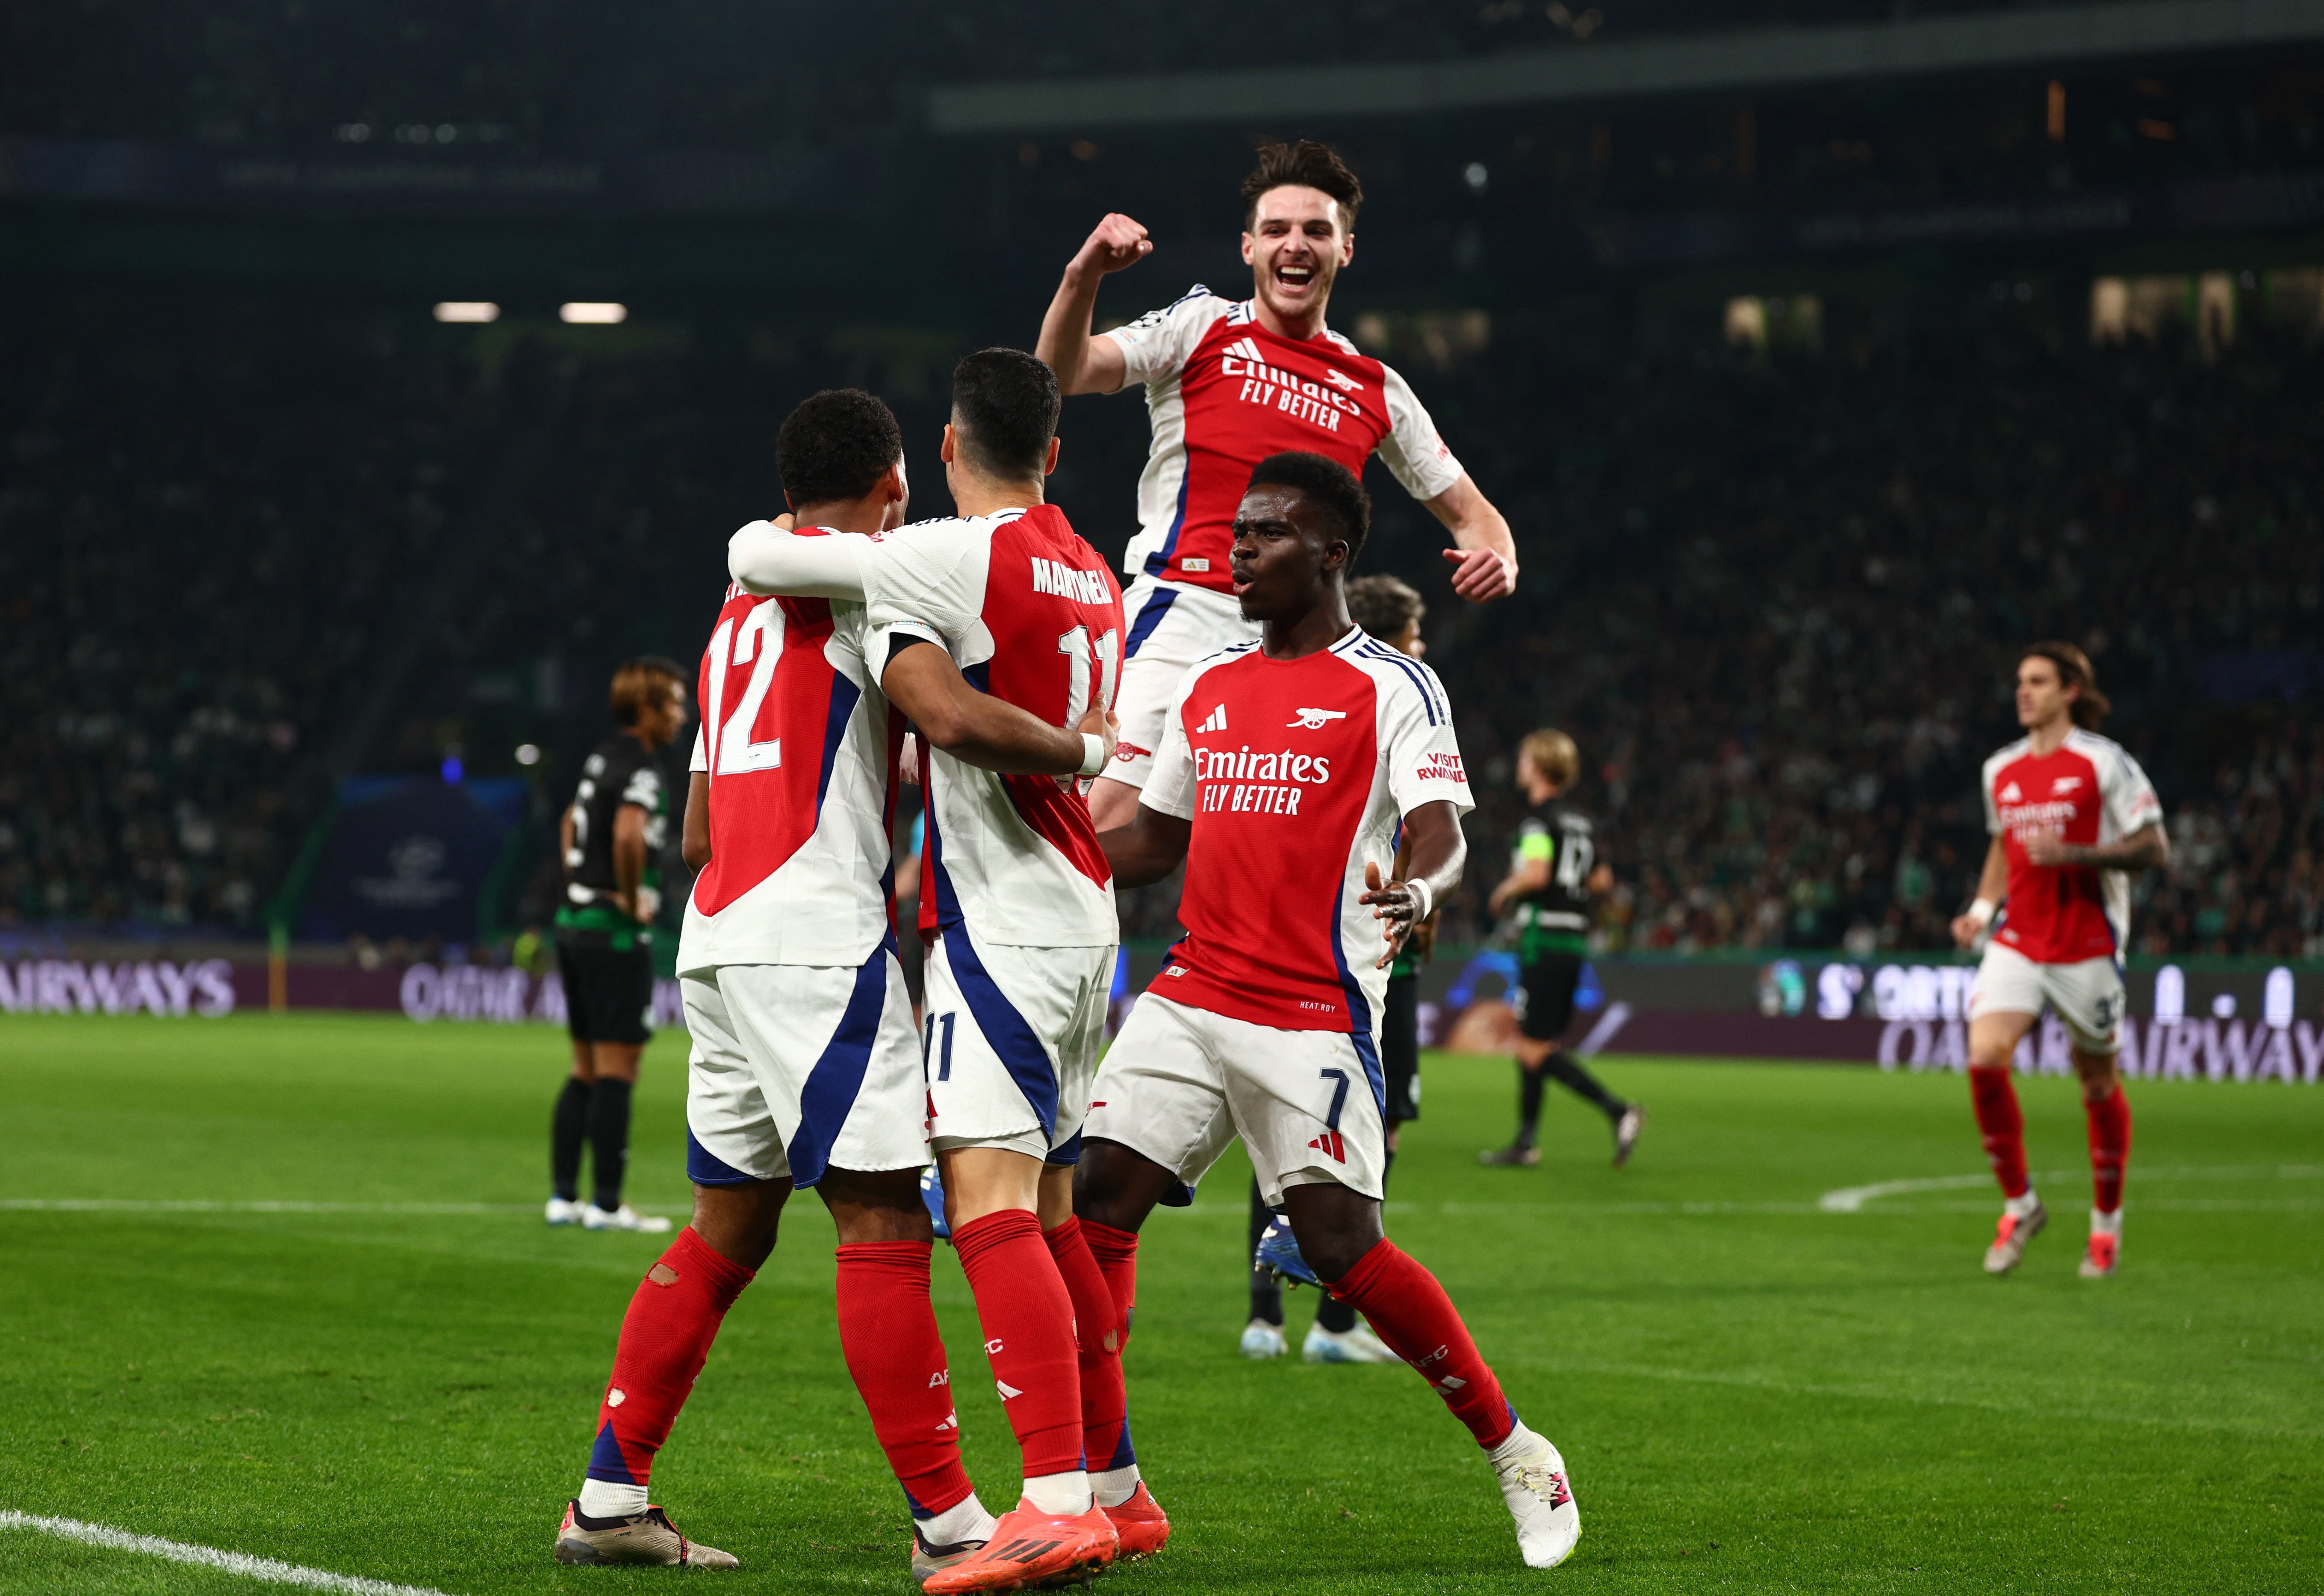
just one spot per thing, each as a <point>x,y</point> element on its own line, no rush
<point>1412,451</point>
<point>644,788</point>
<point>2129,798</point>
<point>1985,790</point>
<point>697,761</point>
<point>1158,343</point>
<point>1423,756</point>
<point>1170,785</point>
<point>926,581</point>
<point>811,564</point>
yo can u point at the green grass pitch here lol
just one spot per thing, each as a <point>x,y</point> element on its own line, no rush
<point>1753,1394</point>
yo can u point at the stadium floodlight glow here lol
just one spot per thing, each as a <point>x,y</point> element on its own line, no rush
<point>467,311</point>
<point>593,313</point>
<point>528,753</point>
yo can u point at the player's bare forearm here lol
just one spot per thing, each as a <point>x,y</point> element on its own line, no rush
<point>1439,854</point>
<point>1084,364</point>
<point>1147,849</point>
<point>2147,848</point>
<point>629,857</point>
<point>1992,886</point>
<point>1531,876</point>
<point>993,734</point>
<point>1484,554</point>
<point>694,832</point>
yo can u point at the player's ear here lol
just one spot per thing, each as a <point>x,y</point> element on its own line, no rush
<point>1248,250</point>
<point>945,451</point>
<point>1049,465</point>
<point>1347,246</point>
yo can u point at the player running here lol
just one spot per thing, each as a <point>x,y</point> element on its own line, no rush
<point>610,841</point>
<point>2071,816</point>
<point>1228,384</point>
<point>804,1070</point>
<point>1556,878</point>
<point>1018,903</point>
<point>1286,769</point>
<point>1391,611</point>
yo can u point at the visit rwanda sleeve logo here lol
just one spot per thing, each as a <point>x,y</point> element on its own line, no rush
<point>1442,767</point>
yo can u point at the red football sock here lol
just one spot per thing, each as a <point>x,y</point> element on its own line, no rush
<point>1116,1252</point>
<point>1105,1402</point>
<point>1028,1334</point>
<point>2109,1147</point>
<point>2002,1124</point>
<point>665,1335</point>
<point>888,1332</point>
<point>1411,1312</point>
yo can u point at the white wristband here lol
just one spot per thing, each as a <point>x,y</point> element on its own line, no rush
<point>1094,755</point>
<point>1423,900</point>
<point>1983,910</point>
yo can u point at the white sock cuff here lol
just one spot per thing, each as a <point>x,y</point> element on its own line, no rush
<point>2106,1224</point>
<point>1516,1443</point>
<point>2022,1206</point>
<point>1068,1492</point>
<point>1113,1486</point>
<point>610,1499</point>
<point>965,1521</point>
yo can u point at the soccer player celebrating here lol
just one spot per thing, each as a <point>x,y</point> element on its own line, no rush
<point>805,1069</point>
<point>609,840</point>
<point>1555,876</point>
<point>1227,384</point>
<point>1391,611</point>
<point>2071,816</point>
<point>1018,903</point>
<point>1285,771</point>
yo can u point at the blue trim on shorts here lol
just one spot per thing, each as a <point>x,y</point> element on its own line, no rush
<point>1004,1029</point>
<point>1361,1012</point>
<point>832,1086</point>
<point>705,1167</point>
<point>1149,615</point>
<point>1066,1154</point>
<point>1160,560</point>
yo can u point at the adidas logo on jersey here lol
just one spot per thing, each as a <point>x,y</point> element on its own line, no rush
<point>1217,721</point>
<point>1314,720</point>
<point>2009,794</point>
<point>1089,587</point>
<point>1264,385</point>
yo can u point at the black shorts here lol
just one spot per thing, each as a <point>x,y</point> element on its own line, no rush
<point>1399,1046</point>
<point>1545,996</point>
<point>608,990</point>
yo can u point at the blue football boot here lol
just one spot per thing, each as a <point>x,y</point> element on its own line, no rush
<point>1279,1250</point>
<point>932,1193</point>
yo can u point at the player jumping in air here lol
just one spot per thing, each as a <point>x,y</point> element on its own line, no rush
<point>1391,611</point>
<point>2071,816</point>
<point>804,1070</point>
<point>1018,902</point>
<point>1286,770</point>
<point>611,841</point>
<point>1556,878</point>
<point>1227,384</point>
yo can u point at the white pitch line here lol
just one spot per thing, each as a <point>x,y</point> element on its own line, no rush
<point>135,1205</point>
<point>1851,1199</point>
<point>249,1567</point>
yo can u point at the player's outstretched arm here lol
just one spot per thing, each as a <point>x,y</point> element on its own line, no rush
<point>630,863</point>
<point>2147,848</point>
<point>767,558</point>
<point>1992,887</point>
<point>1483,552</point>
<point>1439,853</point>
<point>1147,849</point>
<point>993,734</point>
<point>1084,364</point>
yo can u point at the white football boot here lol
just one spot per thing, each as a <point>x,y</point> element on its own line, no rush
<point>1262,1340</point>
<point>561,1212</point>
<point>1534,1484</point>
<point>646,1537</point>
<point>1358,1345</point>
<point>624,1218</point>
<point>2011,1235</point>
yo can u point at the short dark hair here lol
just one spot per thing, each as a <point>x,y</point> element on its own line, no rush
<point>1328,483</point>
<point>1385,605</point>
<point>639,682</point>
<point>2075,670</point>
<point>834,444</point>
<point>1004,412</point>
<point>1306,164</point>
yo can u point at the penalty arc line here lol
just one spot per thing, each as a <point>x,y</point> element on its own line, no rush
<point>239,1563</point>
<point>1851,1199</point>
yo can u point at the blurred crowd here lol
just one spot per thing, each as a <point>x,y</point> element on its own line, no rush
<point>1775,599</point>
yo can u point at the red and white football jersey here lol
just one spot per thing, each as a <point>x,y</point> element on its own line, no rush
<point>2089,791</point>
<point>1296,773</point>
<point>800,747</point>
<point>1223,393</point>
<point>1030,614</point>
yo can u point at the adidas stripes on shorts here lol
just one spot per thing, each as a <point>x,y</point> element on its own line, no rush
<point>1180,1084</point>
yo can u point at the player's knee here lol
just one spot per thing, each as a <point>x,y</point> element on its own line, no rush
<point>1116,1187</point>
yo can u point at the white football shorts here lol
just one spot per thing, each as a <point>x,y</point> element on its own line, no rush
<point>1179,1084</point>
<point>798,1067</point>
<point>1009,1038</point>
<point>1170,627</point>
<point>2087,994</point>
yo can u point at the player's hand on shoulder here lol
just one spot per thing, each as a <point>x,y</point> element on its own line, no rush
<point>785,522</point>
<point>1116,242</point>
<point>1482,574</point>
